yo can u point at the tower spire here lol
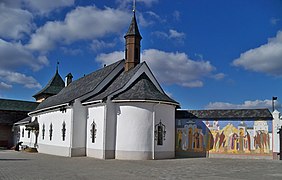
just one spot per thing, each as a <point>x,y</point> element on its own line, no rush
<point>132,43</point>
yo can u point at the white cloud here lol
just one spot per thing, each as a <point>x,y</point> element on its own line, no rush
<point>70,51</point>
<point>46,6</point>
<point>145,22</point>
<point>18,78</point>
<point>126,3</point>
<point>219,76</point>
<point>171,34</point>
<point>83,23</point>
<point>265,59</point>
<point>5,86</point>
<point>193,84</point>
<point>177,68</point>
<point>110,58</point>
<point>12,3</point>
<point>15,22</point>
<point>13,55</point>
<point>274,21</point>
<point>169,67</point>
<point>97,45</point>
<point>246,105</point>
<point>176,15</point>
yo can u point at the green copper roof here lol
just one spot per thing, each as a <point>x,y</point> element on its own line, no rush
<point>54,86</point>
<point>16,105</point>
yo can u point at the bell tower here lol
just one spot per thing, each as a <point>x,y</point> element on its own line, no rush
<point>132,44</point>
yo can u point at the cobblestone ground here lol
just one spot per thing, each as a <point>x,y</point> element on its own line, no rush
<point>22,165</point>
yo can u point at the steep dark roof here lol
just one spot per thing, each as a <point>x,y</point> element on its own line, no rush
<point>54,86</point>
<point>116,85</point>
<point>225,114</point>
<point>143,89</point>
<point>133,29</point>
<point>17,105</point>
<point>79,87</point>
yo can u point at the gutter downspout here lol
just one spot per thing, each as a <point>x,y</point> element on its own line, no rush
<point>105,129</point>
<point>153,133</point>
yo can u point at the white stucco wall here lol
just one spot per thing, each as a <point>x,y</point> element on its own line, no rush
<point>110,127</point>
<point>165,114</point>
<point>135,130</point>
<point>79,118</point>
<point>95,114</point>
<point>56,146</point>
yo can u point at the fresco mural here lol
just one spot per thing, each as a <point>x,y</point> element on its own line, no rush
<point>193,136</point>
<point>228,137</point>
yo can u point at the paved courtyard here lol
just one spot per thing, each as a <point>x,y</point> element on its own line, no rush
<point>22,165</point>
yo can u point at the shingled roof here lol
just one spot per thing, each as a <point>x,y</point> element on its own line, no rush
<point>17,105</point>
<point>225,114</point>
<point>79,87</point>
<point>14,110</point>
<point>54,86</point>
<point>133,29</point>
<point>143,89</point>
<point>116,85</point>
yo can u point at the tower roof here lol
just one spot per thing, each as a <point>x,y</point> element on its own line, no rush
<point>133,28</point>
<point>54,86</point>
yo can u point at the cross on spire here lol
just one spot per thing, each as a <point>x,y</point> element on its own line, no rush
<point>57,67</point>
<point>134,6</point>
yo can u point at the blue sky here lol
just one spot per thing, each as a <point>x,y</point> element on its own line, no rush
<point>206,54</point>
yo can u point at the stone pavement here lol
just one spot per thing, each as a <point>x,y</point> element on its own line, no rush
<point>22,165</point>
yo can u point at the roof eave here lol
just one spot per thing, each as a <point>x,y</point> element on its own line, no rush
<point>148,101</point>
<point>47,108</point>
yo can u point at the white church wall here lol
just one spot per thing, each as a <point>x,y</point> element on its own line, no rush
<point>110,126</point>
<point>56,145</point>
<point>166,114</point>
<point>79,116</point>
<point>96,115</point>
<point>134,134</point>
<point>276,125</point>
<point>27,137</point>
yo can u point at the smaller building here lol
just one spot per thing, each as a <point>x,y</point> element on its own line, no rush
<point>12,111</point>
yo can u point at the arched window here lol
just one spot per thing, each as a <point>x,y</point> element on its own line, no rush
<point>28,134</point>
<point>93,131</point>
<point>23,132</point>
<point>51,131</point>
<point>43,131</point>
<point>160,133</point>
<point>64,131</point>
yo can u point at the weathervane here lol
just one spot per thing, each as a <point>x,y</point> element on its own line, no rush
<point>134,6</point>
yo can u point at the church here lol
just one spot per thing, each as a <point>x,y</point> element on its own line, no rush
<point>119,111</point>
